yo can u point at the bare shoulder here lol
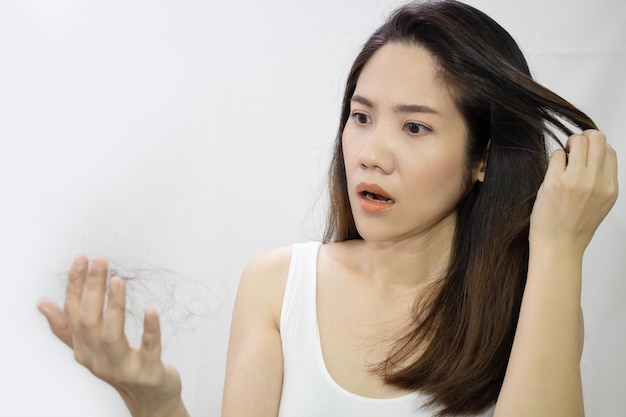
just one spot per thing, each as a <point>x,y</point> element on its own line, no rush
<point>271,261</point>
<point>262,284</point>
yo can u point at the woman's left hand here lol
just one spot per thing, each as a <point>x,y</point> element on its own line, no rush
<point>579,189</point>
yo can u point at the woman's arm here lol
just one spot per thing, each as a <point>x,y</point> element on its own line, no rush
<point>254,369</point>
<point>96,335</point>
<point>543,374</point>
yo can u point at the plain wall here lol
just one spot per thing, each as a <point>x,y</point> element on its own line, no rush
<point>187,136</point>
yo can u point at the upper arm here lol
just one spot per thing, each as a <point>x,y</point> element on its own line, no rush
<point>254,368</point>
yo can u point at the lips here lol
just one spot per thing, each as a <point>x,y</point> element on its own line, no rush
<point>374,198</point>
<point>373,192</point>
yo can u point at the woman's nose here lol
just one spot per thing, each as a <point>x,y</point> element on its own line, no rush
<point>377,152</point>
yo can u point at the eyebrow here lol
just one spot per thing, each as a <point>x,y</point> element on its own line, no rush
<point>400,108</point>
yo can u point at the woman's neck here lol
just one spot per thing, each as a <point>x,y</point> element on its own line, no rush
<point>410,262</point>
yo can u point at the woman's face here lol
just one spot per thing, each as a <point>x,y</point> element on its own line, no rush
<point>404,147</point>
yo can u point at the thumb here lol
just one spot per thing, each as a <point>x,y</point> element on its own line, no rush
<point>57,320</point>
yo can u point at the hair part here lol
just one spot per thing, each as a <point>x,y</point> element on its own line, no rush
<point>465,329</point>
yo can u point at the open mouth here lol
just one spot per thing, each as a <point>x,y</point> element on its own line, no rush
<point>379,198</point>
<point>373,198</point>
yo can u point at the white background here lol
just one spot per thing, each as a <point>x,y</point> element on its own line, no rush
<point>191,135</point>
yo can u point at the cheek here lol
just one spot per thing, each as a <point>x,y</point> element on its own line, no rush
<point>348,153</point>
<point>443,180</point>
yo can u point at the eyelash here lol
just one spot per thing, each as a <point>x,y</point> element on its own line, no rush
<point>357,115</point>
<point>409,126</point>
<point>423,128</point>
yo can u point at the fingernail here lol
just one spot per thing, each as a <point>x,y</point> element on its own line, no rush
<point>79,258</point>
<point>115,285</point>
<point>42,308</point>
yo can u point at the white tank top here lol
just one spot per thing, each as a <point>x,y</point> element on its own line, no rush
<point>308,388</point>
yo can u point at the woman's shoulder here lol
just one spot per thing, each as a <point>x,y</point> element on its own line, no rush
<point>262,284</point>
<point>268,271</point>
<point>275,263</point>
<point>269,263</point>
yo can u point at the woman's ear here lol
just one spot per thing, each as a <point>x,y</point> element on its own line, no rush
<point>481,167</point>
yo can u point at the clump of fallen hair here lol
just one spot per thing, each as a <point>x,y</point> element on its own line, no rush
<point>181,302</point>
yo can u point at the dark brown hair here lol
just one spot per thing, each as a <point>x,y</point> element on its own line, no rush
<point>466,328</point>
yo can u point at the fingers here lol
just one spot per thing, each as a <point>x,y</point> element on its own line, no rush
<point>610,165</point>
<point>588,149</point>
<point>90,314</point>
<point>57,321</point>
<point>558,162</point>
<point>114,341</point>
<point>597,149</point>
<point>151,339</point>
<point>602,157</point>
<point>96,333</point>
<point>579,189</point>
<point>74,290</point>
<point>93,293</point>
<point>577,149</point>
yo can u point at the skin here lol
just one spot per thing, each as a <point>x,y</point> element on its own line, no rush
<point>417,157</point>
<point>96,335</point>
<point>406,135</point>
<point>424,172</point>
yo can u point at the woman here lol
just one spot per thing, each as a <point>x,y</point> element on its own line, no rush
<point>449,279</point>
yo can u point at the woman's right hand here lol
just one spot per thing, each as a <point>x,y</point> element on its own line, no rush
<point>95,333</point>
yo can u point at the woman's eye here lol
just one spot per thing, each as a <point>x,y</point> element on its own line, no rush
<point>362,118</point>
<point>416,128</point>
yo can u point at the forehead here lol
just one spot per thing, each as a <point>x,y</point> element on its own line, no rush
<point>400,73</point>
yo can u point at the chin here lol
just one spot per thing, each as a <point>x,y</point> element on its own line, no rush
<point>377,233</point>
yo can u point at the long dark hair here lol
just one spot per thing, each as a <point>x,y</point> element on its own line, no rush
<point>465,329</point>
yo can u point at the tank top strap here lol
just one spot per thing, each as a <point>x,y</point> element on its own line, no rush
<point>298,318</point>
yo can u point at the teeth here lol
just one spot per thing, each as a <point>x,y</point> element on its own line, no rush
<point>375,197</point>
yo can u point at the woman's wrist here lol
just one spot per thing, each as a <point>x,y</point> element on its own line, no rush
<point>555,250</point>
<point>154,406</point>
<point>554,274</point>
